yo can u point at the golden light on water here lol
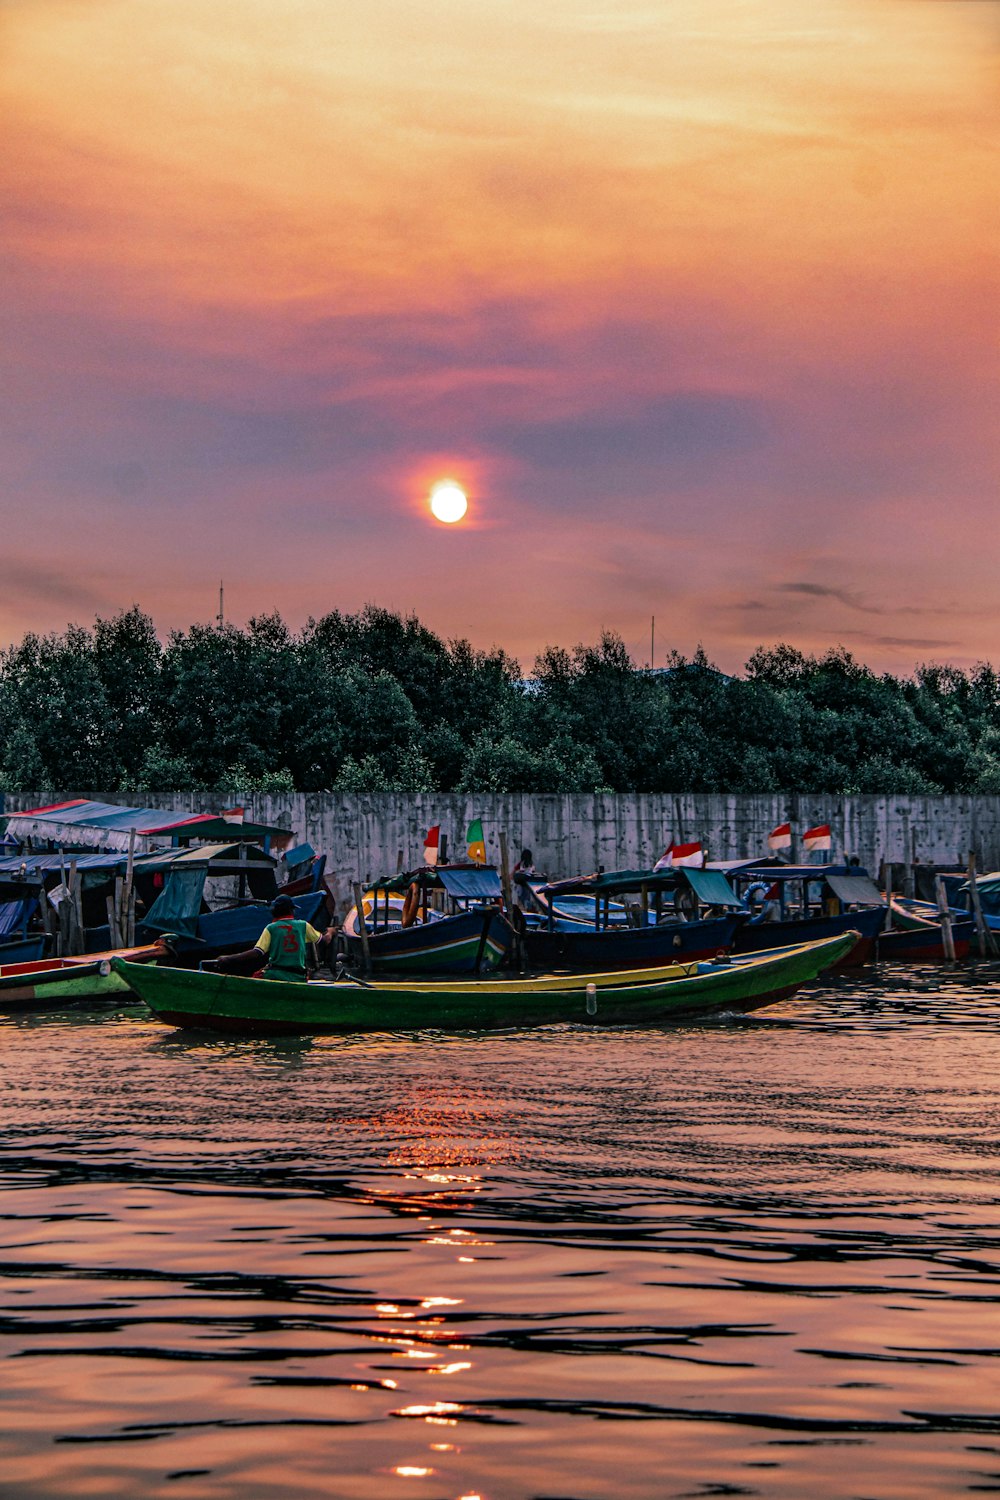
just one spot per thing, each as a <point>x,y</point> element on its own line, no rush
<point>449,502</point>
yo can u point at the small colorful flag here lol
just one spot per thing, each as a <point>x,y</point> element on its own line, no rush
<point>431,841</point>
<point>680,854</point>
<point>234,815</point>
<point>817,838</point>
<point>476,843</point>
<point>780,837</point>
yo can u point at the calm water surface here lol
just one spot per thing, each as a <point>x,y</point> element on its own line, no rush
<point>758,1257</point>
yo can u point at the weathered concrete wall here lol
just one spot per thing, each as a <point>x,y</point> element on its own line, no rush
<point>364,835</point>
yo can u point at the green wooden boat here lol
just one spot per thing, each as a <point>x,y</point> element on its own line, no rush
<point>51,983</point>
<point>228,1003</point>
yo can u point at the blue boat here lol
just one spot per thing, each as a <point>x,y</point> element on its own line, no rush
<point>677,913</point>
<point>407,934</point>
<point>805,904</point>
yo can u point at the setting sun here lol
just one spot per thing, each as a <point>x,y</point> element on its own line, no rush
<point>448,502</point>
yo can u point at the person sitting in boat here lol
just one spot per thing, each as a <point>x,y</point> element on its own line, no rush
<point>522,875</point>
<point>286,942</point>
<point>286,949</point>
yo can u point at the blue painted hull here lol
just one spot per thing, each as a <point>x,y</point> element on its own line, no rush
<point>584,950</point>
<point>869,921</point>
<point>470,942</point>
<point>22,950</point>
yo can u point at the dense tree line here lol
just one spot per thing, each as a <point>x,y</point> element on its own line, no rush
<point>377,702</point>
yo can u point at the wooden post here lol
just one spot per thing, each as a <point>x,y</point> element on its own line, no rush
<point>506,886</point>
<point>75,901</point>
<point>984,937</point>
<point>114,931</point>
<point>51,930</point>
<point>947,937</point>
<point>128,895</point>
<point>359,904</point>
<point>887,887</point>
<point>62,910</point>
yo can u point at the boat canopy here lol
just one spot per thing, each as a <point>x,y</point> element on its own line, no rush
<point>761,870</point>
<point>15,915</point>
<point>464,882</point>
<point>711,887</point>
<point>478,883</point>
<point>223,858</point>
<point>855,890</point>
<point>217,826</point>
<point>615,882</point>
<point>178,906</point>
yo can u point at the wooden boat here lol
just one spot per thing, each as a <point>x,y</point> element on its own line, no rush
<point>406,935</point>
<point>809,903</point>
<point>55,982</point>
<point>227,1003</point>
<point>916,936</point>
<point>671,915</point>
<point>23,950</point>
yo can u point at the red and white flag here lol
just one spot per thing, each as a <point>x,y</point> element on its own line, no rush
<point>431,841</point>
<point>780,837</point>
<point>234,815</point>
<point>680,854</point>
<point>817,838</point>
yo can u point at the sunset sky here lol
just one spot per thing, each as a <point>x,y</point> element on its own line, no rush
<point>698,302</point>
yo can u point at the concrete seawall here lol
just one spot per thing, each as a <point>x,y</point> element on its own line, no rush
<point>364,836</point>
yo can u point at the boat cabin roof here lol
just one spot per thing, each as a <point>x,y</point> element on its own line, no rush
<point>710,886</point>
<point>465,882</point>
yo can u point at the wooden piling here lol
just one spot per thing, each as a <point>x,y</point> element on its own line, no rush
<point>985,939</point>
<point>359,904</point>
<point>947,936</point>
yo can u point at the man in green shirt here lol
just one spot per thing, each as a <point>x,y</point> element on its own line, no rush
<point>281,951</point>
<point>285,942</point>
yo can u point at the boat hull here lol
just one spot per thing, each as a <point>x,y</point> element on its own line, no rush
<point>583,950</point>
<point>227,1003</point>
<point>469,943</point>
<point>753,937</point>
<point>924,944</point>
<point>53,983</point>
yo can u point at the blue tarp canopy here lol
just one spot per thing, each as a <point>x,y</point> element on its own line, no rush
<point>15,915</point>
<point>31,866</point>
<point>477,884</point>
<point>465,882</point>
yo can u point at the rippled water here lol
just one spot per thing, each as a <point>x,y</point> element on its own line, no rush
<point>757,1257</point>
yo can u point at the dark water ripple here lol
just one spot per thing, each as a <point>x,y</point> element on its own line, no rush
<point>712,1259</point>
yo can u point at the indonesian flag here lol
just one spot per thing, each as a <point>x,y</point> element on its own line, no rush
<point>234,815</point>
<point>817,838</point>
<point>680,854</point>
<point>781,837</point>
<point>476,843</point>
<point>431,841</point>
